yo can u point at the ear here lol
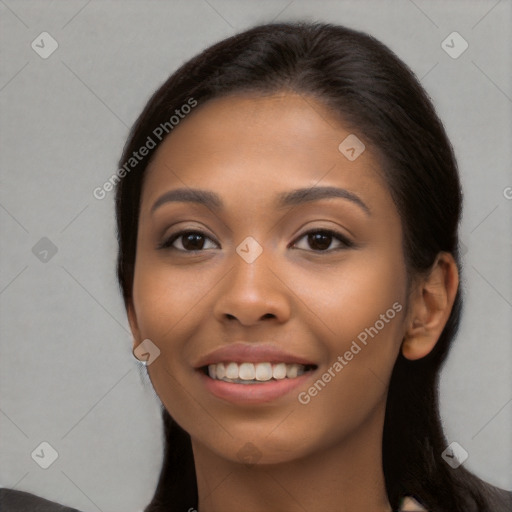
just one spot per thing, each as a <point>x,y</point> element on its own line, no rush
<point>134,326</point>
<point>430,307</point>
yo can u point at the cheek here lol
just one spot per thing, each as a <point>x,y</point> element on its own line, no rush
<point>348,298</point>
<point>163,298</point>
<point>167,305</point>
<point>349,392</point>
<point>361,324</point>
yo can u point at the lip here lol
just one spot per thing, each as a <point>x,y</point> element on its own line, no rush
<point>252,394</point>
<point>251,353</point>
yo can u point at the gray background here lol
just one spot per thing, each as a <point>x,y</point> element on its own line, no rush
<point>67,373</point>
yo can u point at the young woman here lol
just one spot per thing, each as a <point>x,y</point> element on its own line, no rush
<point>288,207</point>
<point>287,210</point>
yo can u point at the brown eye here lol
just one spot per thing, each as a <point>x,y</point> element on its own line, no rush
<point>190,241</point>
<point>321,239</point>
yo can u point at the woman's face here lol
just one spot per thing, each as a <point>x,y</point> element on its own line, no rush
<point>255,285</point>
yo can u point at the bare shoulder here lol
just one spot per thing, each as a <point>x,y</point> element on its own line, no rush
<point>409,504</point>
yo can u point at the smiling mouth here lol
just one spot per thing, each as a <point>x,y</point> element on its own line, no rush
<point>255,373</point>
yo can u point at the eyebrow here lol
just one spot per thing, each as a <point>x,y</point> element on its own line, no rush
<point>284,199</point>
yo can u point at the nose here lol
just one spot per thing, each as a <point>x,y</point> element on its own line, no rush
<point>253,292</point>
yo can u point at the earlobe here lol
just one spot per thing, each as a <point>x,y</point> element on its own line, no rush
<point>431,306</point>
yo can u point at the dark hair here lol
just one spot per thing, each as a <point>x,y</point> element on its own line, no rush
<point>360,80</point>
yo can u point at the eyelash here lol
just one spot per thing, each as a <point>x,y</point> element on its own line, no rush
<point>167,244</point>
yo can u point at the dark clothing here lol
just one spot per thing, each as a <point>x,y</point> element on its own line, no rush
<point>19,501</point>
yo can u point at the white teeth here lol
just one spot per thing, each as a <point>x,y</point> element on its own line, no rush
<point>279,371</point>
<point>249,373</point>
<point>220,371</point>
<point>246,371</point>
<point>263,371</point>
<point>292,371</point>
<point>232,371</point>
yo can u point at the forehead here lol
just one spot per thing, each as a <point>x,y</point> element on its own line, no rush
<point>260,145</point>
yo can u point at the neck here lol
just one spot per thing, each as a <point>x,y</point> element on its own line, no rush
<point>345,476</point>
